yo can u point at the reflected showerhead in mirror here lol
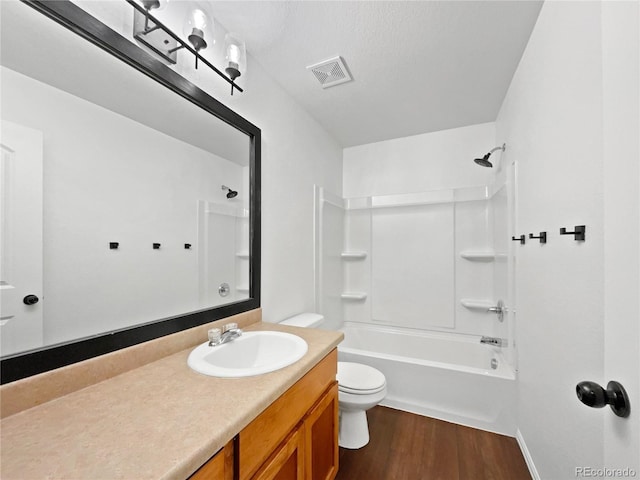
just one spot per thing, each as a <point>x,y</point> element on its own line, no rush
<point>230,193</point>
<point>484,161</point>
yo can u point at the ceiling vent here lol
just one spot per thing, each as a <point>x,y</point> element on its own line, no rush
<point>331,72</point>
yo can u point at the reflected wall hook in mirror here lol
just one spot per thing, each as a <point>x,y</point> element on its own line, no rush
<point>187,246</point>
<point>520,239</point>
<point>156,246</point>
<point>114,245</point>
<point>578,232</point>
<point>542,237</point>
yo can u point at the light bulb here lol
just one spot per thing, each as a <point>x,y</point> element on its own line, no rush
<point>199,19</point>
<point>234,54</point>
<point>197,28</point>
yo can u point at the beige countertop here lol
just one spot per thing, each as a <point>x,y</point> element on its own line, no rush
<point>161,420</point>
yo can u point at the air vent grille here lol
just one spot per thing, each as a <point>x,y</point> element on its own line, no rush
<point>331,72</point>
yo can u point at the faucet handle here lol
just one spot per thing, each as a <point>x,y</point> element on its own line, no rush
<point>214,335</point>
<point>229,326</point>
<point>499,310</point>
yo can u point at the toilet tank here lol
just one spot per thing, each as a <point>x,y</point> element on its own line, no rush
<point>308,320</point>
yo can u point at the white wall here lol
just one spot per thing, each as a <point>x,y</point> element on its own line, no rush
<point>296,155</point>
<point>419,163</point>
<point>552,121</point>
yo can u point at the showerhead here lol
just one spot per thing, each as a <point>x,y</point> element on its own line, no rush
<point>484,161</point>
<point>230,193</point>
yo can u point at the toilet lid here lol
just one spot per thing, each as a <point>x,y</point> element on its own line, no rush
<point>359,378</point>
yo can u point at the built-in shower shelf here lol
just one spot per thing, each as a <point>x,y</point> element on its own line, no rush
<point>479,256</point>
<point>354,296</point>
<point>475,304</point>
<point>242,254</point>
<point>353,255</point>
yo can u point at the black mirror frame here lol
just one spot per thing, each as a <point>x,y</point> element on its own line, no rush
<point>18,366</point>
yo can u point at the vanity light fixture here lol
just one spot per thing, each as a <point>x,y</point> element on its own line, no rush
<point>154,37</point>
<point>198,26</point>
<point>235,56</point>
<point>149,5</point>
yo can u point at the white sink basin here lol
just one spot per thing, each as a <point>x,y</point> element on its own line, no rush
<point>254,353</point>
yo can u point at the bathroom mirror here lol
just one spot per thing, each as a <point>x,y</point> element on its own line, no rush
<point>130,197</point>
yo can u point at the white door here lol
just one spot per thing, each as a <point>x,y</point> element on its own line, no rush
<point>21,326</point>
<point>621,114</point>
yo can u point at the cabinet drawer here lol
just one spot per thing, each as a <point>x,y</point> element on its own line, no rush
<point>259,439</point>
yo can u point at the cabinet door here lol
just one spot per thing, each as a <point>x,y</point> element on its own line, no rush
<point>321,437</point>
<point>287,462</point>
<point>262,436</point>
<point>219,467</point>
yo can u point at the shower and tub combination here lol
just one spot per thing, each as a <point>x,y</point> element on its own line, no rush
<point>421,285</point>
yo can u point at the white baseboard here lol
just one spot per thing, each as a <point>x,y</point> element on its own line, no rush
<point>527,455</point>
<point>500,426</point>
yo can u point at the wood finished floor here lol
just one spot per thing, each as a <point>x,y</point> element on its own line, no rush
<point>405,446</point>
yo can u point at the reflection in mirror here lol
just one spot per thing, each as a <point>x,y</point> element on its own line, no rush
<point>115,193</point>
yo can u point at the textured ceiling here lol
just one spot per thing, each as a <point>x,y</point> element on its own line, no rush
<point>418,66</point>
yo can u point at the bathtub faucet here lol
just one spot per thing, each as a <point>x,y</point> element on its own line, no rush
<point>499,310</point>
<point>494,341</point>
<point>229,332</point>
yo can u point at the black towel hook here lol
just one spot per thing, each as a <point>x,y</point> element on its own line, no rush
<point>542,237</point>
<point>578,232</point>
<point>520,239</point>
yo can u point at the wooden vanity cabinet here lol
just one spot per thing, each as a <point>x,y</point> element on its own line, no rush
<point>310,452</point>
<point>295,438</point>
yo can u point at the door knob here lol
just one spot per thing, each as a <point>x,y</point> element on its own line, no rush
<point>593,395</point>
<point>30,300</point>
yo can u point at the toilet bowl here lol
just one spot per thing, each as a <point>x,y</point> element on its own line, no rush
<point>360,387</point>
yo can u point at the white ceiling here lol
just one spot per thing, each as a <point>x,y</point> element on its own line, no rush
<point>418,66</point>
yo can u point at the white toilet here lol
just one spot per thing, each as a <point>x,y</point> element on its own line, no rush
<point>360,387</point>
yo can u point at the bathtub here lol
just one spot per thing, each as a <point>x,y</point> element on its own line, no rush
<point>440,375</point>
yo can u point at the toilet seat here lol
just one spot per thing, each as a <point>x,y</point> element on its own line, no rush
<point>354,391</point>
<point>359,379</point>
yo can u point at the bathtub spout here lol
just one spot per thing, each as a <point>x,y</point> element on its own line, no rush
<point>493,341</point>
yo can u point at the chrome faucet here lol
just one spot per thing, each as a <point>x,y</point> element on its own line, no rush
<point>494,341</point>
<point>229,332</point>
